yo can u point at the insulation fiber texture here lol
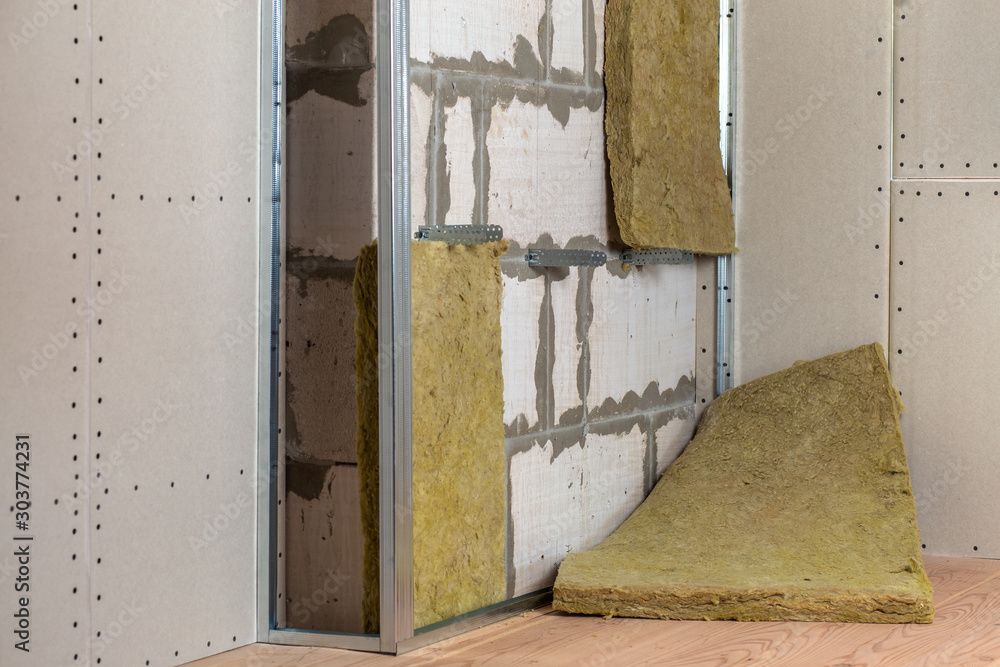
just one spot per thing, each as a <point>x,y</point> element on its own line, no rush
<point>459,465</point>
<point>792,503</point>
<point>661,73</point>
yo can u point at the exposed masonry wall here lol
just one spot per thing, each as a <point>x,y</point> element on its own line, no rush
<point>330,214</point>
<point>507,128</point>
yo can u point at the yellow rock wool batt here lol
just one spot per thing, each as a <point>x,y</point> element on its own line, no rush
<point>792,503</point>
<point>459,465</point>
<point>661,73</point>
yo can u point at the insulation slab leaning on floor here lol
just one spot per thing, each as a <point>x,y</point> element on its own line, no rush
<point>792,503</point>
<point>459,465</point>
<point>661,73</point>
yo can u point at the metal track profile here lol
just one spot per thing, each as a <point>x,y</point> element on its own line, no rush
<point>725,307</point>
<point>395,368</point>
<point>560,257</point>
<point>657,256</point>
<point>273,166</point>
<point>460,234</point>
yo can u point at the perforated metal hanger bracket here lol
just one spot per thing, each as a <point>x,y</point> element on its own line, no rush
<point>460,234</point>
<point>559,257</point>
<point>657,256</point>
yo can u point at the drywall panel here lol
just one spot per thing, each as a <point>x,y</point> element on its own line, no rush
<point>945,303</point>
<point>946,89</point>
<point>174,354</point>
<point>811,180</point>
<point>45,249</point>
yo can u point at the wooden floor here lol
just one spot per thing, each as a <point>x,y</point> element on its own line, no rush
<point>966,632</point>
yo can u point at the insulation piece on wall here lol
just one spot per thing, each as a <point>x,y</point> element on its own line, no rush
<point>661,73</point>
<point>459,464</point>
<point>792,503</point>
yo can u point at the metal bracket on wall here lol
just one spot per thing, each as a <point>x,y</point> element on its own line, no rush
<point>460,234</point>
<point>560,257</point>
<point>657,256</point>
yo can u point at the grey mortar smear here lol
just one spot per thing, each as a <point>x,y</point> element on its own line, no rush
<point>307,268</point>
<point>573,424</point>
<point>330,62</point>
<point>487,84</point>
<point>504,81</point>
<point>611,418</point>
<point>307,480</point>
<point>564,438</point>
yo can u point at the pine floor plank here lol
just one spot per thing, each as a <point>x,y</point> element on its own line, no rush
<point>966,631</point>
<point>271,655</point>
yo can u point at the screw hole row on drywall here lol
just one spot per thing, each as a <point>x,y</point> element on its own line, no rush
<point>968,165</point>
<point>941,165</point>
<point>170,198</point>
<point>940,193</point>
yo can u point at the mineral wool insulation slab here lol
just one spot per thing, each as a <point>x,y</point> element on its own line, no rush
<point>661,72</point>
<point>792,503</point>
<point>459,464</point>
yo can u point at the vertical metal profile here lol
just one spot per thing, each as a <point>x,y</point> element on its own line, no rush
<point>271,62</point>
<point>726,293</point>
<point>395,463</point>
<point>395,403</point>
